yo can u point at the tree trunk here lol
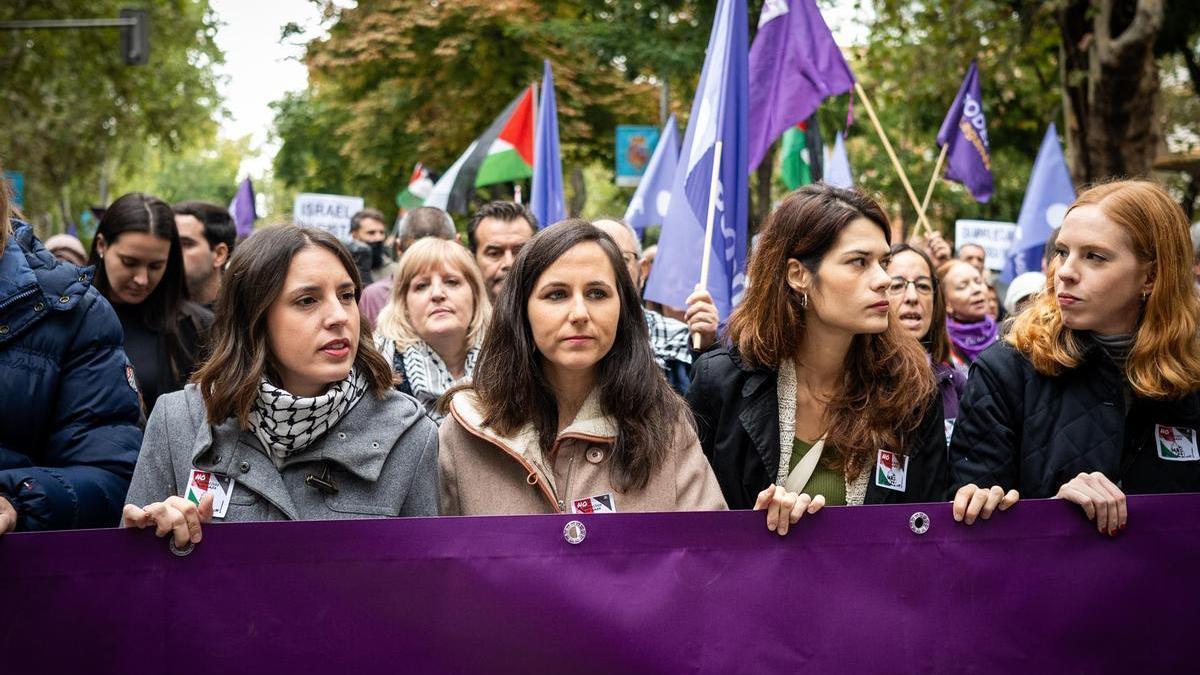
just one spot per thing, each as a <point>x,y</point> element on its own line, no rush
<point>761,204</point>
<point>1110,81</point>
<point>578,193</point>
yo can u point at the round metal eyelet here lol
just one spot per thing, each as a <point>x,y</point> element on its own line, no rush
<point>181,552</point>
<point>39,307</point>
<point>918,523</point>
<point>574,532</point>
<point>64,299</point>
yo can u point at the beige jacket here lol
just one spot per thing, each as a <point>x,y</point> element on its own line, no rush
<point>484,473</point>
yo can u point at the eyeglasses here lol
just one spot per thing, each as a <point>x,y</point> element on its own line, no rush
<point>900,284</point>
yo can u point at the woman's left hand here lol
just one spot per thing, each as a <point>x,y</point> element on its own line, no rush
<point>785,508</point>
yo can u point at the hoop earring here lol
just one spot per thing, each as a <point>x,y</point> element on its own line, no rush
<point>803,300</point>
<point>1145,296</point>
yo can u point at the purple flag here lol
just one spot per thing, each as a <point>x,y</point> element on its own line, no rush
<point>1048,195</point>
<point>719,113</point>
<point>794,65</point>
<point>653,196</point>
<point>968,156</point>
<point>900,588</point>
<point>546,196</point>
<point>242,209</point>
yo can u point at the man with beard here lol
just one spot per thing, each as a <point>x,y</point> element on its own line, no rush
<point>206,236</point>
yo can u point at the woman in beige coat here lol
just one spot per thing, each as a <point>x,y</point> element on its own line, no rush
<point>568,412</point>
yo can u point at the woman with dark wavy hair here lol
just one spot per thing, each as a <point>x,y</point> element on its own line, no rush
<point>819,390</point>
<point>568,411</point>
<point>293,417</point>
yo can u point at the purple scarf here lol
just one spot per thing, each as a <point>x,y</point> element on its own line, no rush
<point>969,339</point>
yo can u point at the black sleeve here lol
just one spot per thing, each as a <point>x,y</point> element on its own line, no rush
<point>700,397</point>
<point>929,470</point>
<point>985,449</point>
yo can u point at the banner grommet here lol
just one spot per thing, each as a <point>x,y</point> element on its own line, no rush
<point>181,552</point>
<point>918,523</point>
<point>574,532</point>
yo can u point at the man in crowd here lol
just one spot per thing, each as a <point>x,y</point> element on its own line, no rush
<point>670,339</point>
<point>421,222</point>
<point>495,234</point>
<point>974,255</point>
<point>206,234</point>
<point>368,229</point>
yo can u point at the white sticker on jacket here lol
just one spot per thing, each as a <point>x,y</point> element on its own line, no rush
<point>1176,444</point>
<point>891,471</point>
<point>599,504</point>
<point>201,483</point>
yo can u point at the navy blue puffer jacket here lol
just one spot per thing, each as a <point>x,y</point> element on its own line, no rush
<point>69,417</point>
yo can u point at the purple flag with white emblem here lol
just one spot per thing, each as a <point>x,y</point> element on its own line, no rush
<point>964,134</point>
<point>794,64</point>
<point>719,113</point>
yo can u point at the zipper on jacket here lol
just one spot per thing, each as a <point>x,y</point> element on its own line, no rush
<point>562,504</point>
<point>17,298</point>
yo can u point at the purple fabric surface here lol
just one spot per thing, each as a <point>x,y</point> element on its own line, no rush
<point>969,155</point>
<point>849,590</point>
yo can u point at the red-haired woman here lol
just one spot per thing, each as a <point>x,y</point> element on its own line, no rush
<point>820,391</point>
<point>1094,394</point>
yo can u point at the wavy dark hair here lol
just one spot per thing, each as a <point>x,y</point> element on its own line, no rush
<point>512,388</point>
<point>229,379</point>
<point>936,340</point>
<point>168,304</point>
<point>888,385</point>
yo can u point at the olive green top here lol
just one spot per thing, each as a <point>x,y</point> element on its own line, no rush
<point>824,481</point>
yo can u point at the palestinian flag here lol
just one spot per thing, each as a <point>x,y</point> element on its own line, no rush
<point>800,155</point>
<point>419,187</point>
<point>503,154</point>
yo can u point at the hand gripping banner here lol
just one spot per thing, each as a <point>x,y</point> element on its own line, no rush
<point>864,589</point>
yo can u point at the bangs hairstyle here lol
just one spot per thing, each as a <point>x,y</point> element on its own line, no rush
<point>424,256</point>
<point>512,388</point>
<point>936,340</point>
<point>1164,361</point>
<point>229,380</point>
<point>888,383</point>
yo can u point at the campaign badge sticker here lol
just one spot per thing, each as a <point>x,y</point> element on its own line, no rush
<point>201,483</point>
<point>599,504</point>
<point>891,471</point>
<point>1176,444</point>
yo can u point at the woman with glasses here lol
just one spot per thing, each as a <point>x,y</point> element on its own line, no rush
<point>819,391</point>
<point>920,308</point>
<point>968,323</point>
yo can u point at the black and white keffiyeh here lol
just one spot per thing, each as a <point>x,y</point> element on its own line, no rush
<point>427,375</point>
<point>286,424</point>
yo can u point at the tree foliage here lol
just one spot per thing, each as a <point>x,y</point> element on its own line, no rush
<point>75,115</point>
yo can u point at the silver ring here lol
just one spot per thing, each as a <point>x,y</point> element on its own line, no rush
<point>186,550</point>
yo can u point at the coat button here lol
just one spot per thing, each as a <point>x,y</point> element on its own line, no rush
<point>3,328</point>
<point>83,277</point>
<point>64,299</point>
<point>39,307</point>
<point>595,455</point>
<point>341,436</point>
<point>244,467</point>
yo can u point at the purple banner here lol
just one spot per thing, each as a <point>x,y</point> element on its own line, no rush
<point>849,590</point>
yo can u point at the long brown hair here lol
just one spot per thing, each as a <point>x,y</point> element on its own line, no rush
<point>936,340</point>
<point>513,390</point>
<point>1164,361</point>
<point>888,385</point>
<point>229,380</point>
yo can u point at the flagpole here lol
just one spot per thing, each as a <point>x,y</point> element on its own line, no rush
<point>708,229</point>
<point>912,196</point>
<point>937,171</point>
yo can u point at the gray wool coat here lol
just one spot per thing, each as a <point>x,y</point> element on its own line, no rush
<point>382,456</point>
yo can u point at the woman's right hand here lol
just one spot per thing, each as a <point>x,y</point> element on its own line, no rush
<point>1100,498</point>
<point>785,508</point>
<point>972,501</point>
<point>176,515</point>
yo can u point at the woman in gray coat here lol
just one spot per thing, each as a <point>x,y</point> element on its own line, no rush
<point>293,417</point>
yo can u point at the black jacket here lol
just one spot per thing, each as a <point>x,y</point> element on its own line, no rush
<point>1018,429</point>
<point>737,417</point>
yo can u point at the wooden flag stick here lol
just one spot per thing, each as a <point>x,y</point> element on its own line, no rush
<point>912,196</point>
<point>937,172</point>
<point>708,228</point>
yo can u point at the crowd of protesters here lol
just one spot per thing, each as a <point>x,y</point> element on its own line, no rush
<point>173,376</point>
